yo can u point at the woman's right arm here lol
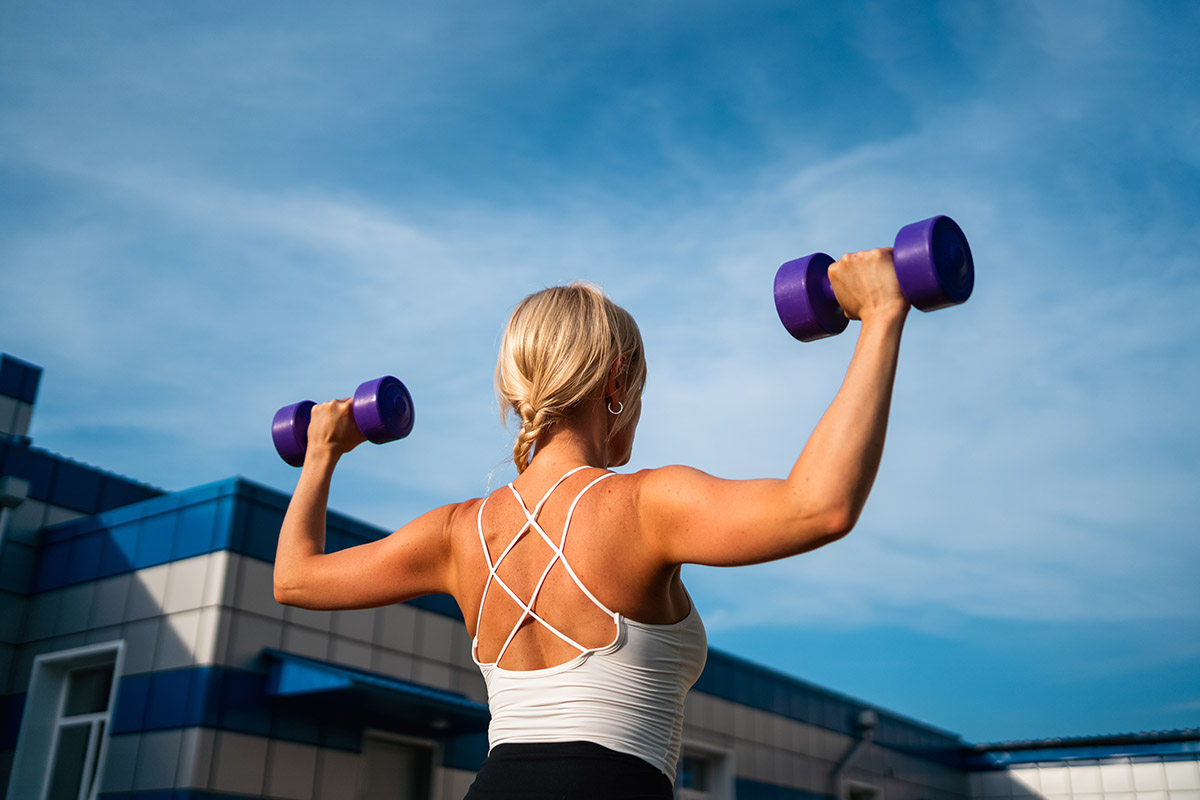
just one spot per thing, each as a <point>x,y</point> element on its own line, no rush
<point>692,517</point>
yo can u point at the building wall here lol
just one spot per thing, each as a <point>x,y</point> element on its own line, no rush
<point>165,578</point>
<point>1147,777</point>
<point>777,756</point>
<point>184,581</point>
<point>177,590</point>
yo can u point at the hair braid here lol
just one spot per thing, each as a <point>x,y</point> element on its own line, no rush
<point>533,423</point>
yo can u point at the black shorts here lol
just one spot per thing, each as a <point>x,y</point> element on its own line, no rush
<point>567,771</point>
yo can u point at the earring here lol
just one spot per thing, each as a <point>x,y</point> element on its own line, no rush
<point>620,408</point>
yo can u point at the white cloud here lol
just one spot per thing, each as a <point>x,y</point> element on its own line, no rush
<point>1039,465</point>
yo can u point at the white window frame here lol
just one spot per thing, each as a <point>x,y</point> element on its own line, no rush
<point>721,771</point>
<point>43,718</point>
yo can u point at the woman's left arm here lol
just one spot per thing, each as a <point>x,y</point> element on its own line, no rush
<point>411,562</point>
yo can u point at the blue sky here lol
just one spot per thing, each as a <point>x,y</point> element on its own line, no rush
<point>210,210</point>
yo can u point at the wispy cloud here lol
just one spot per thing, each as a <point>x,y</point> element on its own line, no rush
<point>265,217</point>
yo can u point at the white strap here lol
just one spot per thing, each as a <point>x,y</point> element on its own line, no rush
<point>531,520</point>
<point>558,549</point>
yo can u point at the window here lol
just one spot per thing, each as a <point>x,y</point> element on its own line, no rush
<point>704,773</point>
<point>693,773</point>
<point>62,743</point>
<point>397,768</point>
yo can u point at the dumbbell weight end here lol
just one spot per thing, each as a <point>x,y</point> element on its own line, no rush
<point>289,431</point>
<point>805,301</point>
<point>934,264</point>
<point>383,410</point>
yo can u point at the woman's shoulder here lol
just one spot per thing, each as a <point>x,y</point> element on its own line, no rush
<point>666,479</point>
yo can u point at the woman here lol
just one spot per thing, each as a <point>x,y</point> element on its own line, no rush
<point>589,642</point>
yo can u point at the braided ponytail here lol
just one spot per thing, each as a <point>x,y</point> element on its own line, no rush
<point>533,423</point>
<point>557,350</point>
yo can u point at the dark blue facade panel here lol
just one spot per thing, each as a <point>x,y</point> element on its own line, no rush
<point>170,794</point>
<point>228,699</point>
<point>19,378</point>
<point>18,565</point>
<point>11,709</point>
<point>232,515</point>
<point>154,532</point>
<point>1182,749</point>
<point>747,789</point>
<point>76,487</point>
<point>465,752</point>
<point>194,531</point>
<point>119,554</point>
<point>262,531</point>
<point>749,684</point>
<point>54,561</point>
<point>116,492</point>
<point>31,464</point>
<point>69,484</point>
<point>156,538</point>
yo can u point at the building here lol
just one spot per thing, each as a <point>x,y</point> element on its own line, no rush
<point>142,655</point>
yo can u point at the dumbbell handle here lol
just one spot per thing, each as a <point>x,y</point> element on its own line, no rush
<point>383,412</point>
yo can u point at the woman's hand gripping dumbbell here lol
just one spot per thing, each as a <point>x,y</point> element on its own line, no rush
<point>382,411</point>
<point>933,264</point>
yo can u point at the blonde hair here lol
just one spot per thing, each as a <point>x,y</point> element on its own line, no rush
<point>558,349</point>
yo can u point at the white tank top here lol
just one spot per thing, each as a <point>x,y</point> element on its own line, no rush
<point>627,695</point>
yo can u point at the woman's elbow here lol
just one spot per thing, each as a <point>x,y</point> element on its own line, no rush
<point>834,524</point>
<point>281,595</point>
<point>841,521</point>
<point>286,592</point>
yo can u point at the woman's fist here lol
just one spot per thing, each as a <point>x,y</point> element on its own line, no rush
<point>865,284</point>
<point>332,427</point>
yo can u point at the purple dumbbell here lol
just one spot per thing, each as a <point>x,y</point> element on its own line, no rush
<point>933,264</point>
<point>383,412</point>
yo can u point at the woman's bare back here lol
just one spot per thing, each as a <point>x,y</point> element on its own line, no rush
<point>604,546</point>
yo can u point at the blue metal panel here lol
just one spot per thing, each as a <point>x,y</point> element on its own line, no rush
<point>130,711</point>
<point>19,378</point>
<point>1059,752</point>
<point>18,566</point>
<point>749,684</point>
<point>119,554</point>
<point>53,564</point>
<point>12,707</point>
<point>465,752</point>
<point>65,531</point>
<point>204,691</point>
<point>747,789</point>
<point>76,487</point>
<point>340,738</point>
<point>33,465</point>
<point>85,559</point>
<point>167,700</point>
<point>243,703</point>
<point>262,531</point>
<point>225,524</point>
<point>162,504</point>
<point>116,492</point>
<point>298,675</point>
<point>194,531</point>
<point>155,539</point>
<point>303,728</point>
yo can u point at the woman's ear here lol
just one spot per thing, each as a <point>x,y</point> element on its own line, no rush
<point>615,377</point>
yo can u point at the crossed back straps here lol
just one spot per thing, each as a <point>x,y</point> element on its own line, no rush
<point>531,523</point>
